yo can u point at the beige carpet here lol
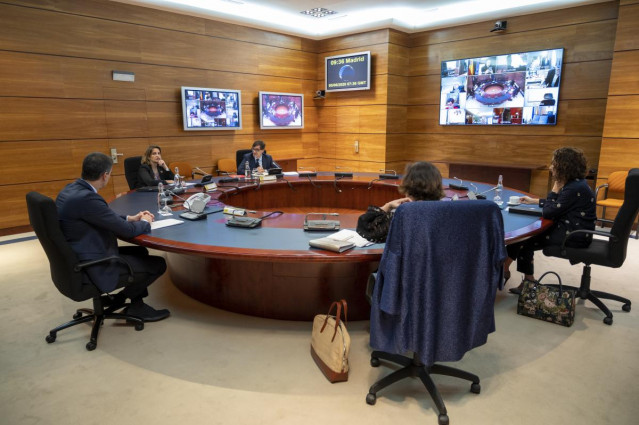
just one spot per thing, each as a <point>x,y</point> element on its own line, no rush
<point>207,366</point>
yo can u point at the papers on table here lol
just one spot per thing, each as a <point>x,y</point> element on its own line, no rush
<point>351,236</point>
<point>165,223</point>
<point>291,173</point>
<point>341,241</point>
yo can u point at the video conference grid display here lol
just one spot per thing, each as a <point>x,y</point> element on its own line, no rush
<point>348,72</point>
<point>211,109</point>
<point>281,110</point>
<point>513,89</point>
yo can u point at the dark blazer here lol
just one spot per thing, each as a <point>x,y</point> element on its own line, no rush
<point>549,77</point>
<point>437,279</point>
<point>267,162</point>
<point>573,208</point>
<point>91,227</point>
<point>146,178</point>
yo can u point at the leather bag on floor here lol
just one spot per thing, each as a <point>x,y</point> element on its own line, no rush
<point>550,303</point>
<point>331,344</point>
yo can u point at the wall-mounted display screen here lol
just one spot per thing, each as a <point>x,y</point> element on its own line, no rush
<point>281,110</point>
<point>512,89</point>
<point>348,72</point>
<point>211,109</point>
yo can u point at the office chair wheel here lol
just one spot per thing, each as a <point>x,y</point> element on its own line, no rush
<point>475,388</point>
<point>442,419</point>
<point>371,399</point>
<point>91,346</point>
<point>139,326</point>
<point>625,307</point>
<point>77,315</point>
<point>608,320</point>
<point>374,361</point>
<point>50,338</point>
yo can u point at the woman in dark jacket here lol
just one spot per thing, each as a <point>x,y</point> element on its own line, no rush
<point>153,169</point>
<point>422,182</point>
<point>571,205</point>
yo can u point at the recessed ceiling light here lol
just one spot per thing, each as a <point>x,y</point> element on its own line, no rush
<point>318,12</point>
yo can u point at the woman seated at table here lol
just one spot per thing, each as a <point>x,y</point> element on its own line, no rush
<point>422,182</point>
<point>153,169</point>
<point>571,205</point>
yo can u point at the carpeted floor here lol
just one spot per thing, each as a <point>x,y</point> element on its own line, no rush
<point>207,366</point>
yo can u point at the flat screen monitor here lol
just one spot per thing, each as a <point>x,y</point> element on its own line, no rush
<point>348,72</point>
<point>281,110</point>
<point>211,109</point>
<point>511,89</point>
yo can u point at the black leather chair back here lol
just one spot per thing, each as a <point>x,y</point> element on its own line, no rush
<point>43,216</point>
<point>239,154</point>
<point>625,218</point>
<point>131,167</point>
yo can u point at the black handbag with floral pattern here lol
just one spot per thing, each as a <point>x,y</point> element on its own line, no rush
<point>550,303</point>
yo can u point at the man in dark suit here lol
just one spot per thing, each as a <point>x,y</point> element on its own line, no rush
<point>552,78</point>
<point>92,228</point>
<point>257,159</point>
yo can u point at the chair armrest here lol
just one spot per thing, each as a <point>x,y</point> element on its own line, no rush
<point>592,232</point>
<point>78,267</point>
<point>597,191</point>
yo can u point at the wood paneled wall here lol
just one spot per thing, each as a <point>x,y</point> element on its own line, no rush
<point>58,100</point>
<point>586,33</point>
<point>620,144</point>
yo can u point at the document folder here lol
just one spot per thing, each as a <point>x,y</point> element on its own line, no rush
<point>534,210</point>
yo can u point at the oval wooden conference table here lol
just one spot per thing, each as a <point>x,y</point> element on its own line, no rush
<point>270,271</point>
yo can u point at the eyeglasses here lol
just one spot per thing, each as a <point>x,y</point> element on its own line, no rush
<point>256,149</point>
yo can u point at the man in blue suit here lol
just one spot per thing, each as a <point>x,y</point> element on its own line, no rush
<point>257,159</point>
<point>92,228</point>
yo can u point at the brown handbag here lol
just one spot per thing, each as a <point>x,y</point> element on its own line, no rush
<point>331,344</point>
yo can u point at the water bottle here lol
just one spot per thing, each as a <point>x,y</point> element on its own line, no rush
<point>247,171</point>
<point>500,185</point>
<point>176,179</point>
<point>160,197</point>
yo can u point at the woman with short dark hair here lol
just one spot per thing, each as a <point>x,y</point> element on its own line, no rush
<point>153,169</point>
<point>571,205</point>
<point>422,182</point>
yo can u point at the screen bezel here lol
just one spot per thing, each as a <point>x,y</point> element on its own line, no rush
<point>553,90</point>
<point>185,117</point>
<point>345,56</point>
<point>279,127</point>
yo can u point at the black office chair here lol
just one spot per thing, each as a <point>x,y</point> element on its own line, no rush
<point>608,253</point>
<point>66,271</point>
<point>435,291</point>
<point>239,154</point>
<point>131,167</point>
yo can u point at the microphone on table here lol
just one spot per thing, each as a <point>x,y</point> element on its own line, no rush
<point>201,171</point>
<point>459,186</point>
<point>308,174</point>
<point>474,194</point>
<point>479,195</point>
<point>340,175</point>
<point>388,176</point>
<point>343,174</point>
<point>228,179</point>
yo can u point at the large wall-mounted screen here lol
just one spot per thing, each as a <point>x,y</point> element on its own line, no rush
<point>211,109</point>
<point>281,110</point>
<point>512,89</point>
<point>348,72</point>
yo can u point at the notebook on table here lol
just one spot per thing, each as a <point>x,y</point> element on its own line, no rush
<point>527,209</point>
